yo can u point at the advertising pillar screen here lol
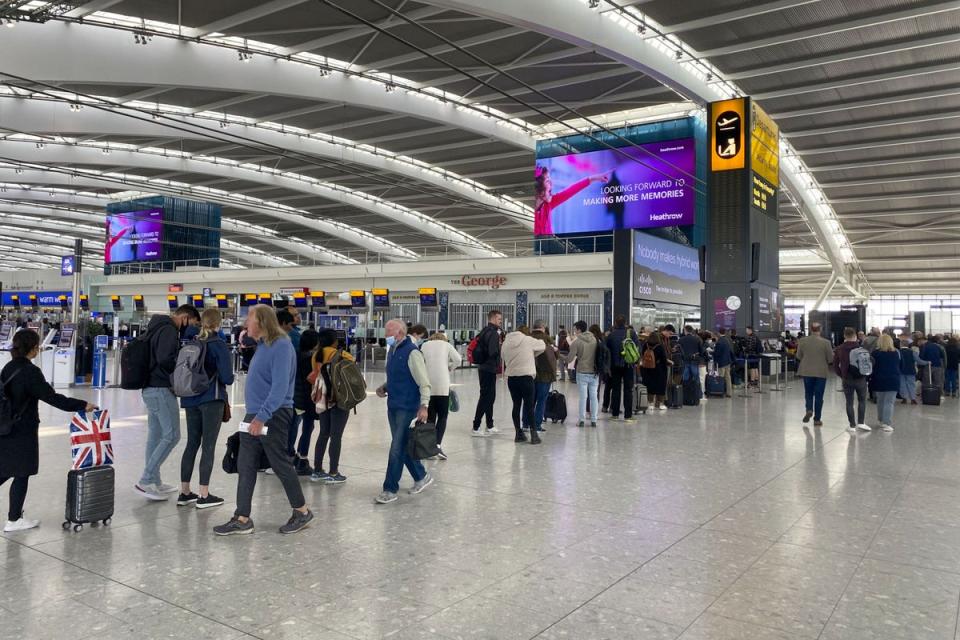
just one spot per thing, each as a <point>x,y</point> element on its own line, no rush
<point>665,271</point>
<point>134,237</point>
<point>649,185</point>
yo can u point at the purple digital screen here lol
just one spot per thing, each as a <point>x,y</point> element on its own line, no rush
<point>630,188</point>
<point>136,236</point>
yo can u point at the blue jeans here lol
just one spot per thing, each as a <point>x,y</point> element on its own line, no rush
<point>813,389</point>
<point>163,430</point>
<point>542,389</point>
<point>588,383</point>
<point>951,378</point>
<point>908,386</point>
<point>400,420</point>
<point>885,400</point>
<point>691,370</point>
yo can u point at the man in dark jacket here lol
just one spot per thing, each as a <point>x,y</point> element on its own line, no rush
<point>621,373</point>
<point>693,351</point>
<point>933,353</point>
<point>163,410</point>
<point>854,383</point>
<point>546,372</point>
<point>723,359</point>
<point>489,342</point>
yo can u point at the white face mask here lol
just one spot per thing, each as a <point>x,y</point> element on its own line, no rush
<point>391,340</point>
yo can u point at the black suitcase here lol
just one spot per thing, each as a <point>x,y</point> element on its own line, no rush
<point>930,394</point>
<point>555,407</point>
<point>691,392</point>
<point>90,494</point>
<point>716,387</point>
<point>674,396</point>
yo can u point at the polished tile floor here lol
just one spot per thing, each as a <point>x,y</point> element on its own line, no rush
<point>721,522</point>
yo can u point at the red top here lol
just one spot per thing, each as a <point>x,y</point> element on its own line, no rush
<point>543,217</point>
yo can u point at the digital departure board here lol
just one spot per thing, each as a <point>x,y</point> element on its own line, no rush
<point>267,299</point>
<point>222,302</point>
<point>318,299</point>
<point>116,303</point>
<point>84,302</point>
<point>197,300</point>
<point>138,303</point>
<point>172,302</point>
<point>428,299</point>
<point>248,300</point>
<point>300,300</point>
<point>381,298</point>
<point>358,300</point>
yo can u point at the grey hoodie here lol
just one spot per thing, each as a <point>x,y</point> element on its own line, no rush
<point>584,349</point>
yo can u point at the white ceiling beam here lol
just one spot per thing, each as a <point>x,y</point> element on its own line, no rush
<point>473,41</point>
<point>837,26</point>
<point>242,17</point>
<point>888,213</point>
<point>228,102</point>
<point>891,180</point>
<point>855,81</point>
<point>349,33</point>
<point>755,9</point>
<point>870,162</point>
<point>91,7</point>
<point>886,197</point>
<point>874,124</point>
<point>878,144</point>
<point>851,105</point>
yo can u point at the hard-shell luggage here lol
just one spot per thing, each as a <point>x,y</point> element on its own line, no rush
<point>716,387</point>
<point>691,391</point>
<point>640,400</point>
<point>90,494</point>
<point>930,393</point>
<point>555,407</point>
<point>674,396</point>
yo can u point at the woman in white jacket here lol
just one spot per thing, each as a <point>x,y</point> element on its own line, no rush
<point>441,359</point>
<point>519,353</point>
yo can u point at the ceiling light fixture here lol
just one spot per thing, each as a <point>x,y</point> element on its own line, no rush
<point>142,37</point>
<point>594,4</point>
<point>244,55</point>
<point>75,106</point>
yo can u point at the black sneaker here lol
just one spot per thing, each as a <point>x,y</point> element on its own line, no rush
<point>234,527</point>
<point>303,467</point>
<point>186,499</point>
<point>520,437</point>
<point>593,424</point>
<point>210,501</point>
<point>534,438</point>
<point>297,521</point>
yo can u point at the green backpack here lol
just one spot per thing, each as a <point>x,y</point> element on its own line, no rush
<point>629,351</point>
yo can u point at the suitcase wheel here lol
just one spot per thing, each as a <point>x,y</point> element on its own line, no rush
<point>107,521</point>
<point>77,527</point>
<point>66,525</point>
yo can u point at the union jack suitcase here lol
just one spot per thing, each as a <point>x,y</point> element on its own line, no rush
<point>91,481</point>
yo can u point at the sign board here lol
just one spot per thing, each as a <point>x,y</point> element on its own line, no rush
<point>764,145</point>
<point>665,271</point>
<point>381,298</point>
<point>68,265</point>
<point>172,302</point>
<point>727,135</point>
<point>174,288</point>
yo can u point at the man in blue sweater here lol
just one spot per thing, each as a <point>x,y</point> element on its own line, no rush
<point>931,352</point>
<point>407,390</point>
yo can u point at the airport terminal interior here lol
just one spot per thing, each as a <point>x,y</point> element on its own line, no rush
<point>482,319</point>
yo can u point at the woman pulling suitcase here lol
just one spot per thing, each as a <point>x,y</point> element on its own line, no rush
<point>24,387</point>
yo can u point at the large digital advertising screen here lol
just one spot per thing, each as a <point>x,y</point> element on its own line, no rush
<point>134,237</point>
<point>767,309</point>
<point>628,188</point>
<point>665,271</point>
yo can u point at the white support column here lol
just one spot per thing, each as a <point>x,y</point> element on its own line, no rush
<point>831,281</point>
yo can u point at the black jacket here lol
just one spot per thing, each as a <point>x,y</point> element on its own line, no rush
<point>164,347</point>
<point>302,389</point>
<point>491,337</point>
<point>20,451</point>
<point>692,348</point>
<point>615,344</point>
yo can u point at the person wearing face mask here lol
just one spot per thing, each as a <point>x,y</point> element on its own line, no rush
<point>407,390</point>
<point>163,410</point>
<point>418,333</point>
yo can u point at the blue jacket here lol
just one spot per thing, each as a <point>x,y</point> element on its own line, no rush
<point>403,392</point>
<point>270,379</point>
<point>723,352</point>
<point>219,364</point>
<point>908,362</point>
<point>615,344</point>
<point>886,371</point>
<point>295,338</point>
<point>932,354</point>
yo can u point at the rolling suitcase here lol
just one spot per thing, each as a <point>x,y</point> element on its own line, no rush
<point>640,400</point>
<point>674,395</point>
<point>555,407</point>
<point>691,392</point>
<point>930,394</point>
<point>716,387</point>
<point>90,494</point>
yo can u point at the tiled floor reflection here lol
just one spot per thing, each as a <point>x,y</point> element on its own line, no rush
<point>727,521</point>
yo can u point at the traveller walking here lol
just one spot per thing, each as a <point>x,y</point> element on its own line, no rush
<point>814,357</point>
<point>486,356</point>
<point>563,349</point>
<point>853,372</point>
<point>24,386</point>
<point>723,360</point>
<point>654,367</point>
<point>205,414</point>
<point>407,391</point>
<point>583,350</point>
<point>332,421</point>
<point>303,403</point>
<point>624,346</point>
<point>546,373</point>
<point>520,351</point>
<point>269,414</point>
<point>441,359</point>
<point>886,380</point>
<point>163,411</point>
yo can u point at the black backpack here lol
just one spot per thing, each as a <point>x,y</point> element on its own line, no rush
<point>602,359</point>
<point>8,417</point>
<point>136,363</point>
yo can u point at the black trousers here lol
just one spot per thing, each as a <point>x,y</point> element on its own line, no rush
<point>18,495</point>
<point>437,411</point>
<point>621,387</point>
<point>488,396</point>
<point>523,392</point>
<point>332,423</point>
<point>203,429</point>
<point>274,445</point>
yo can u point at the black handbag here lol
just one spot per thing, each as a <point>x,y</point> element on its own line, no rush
<point>422,442</point>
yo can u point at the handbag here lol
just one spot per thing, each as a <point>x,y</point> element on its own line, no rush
<point>454,401</point>
<point>227,413</point>
<point>319,395</point>
<point>422,443</point>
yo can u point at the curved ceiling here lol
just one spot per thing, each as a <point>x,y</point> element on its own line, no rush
<point>391,101</point>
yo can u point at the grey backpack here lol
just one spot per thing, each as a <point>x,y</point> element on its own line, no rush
<point>190,378</point>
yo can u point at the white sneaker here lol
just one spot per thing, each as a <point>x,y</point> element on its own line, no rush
<point>852,429</point>
<point>887,427</point>
<point>20,525</point>
<point>864,427</point>
<point>166,488</point>
<point>422,484</point>
<point>492,431</point>
<point>662,408</point>
<point>478,433</point>
<point>150,492</point>
<point>270,472</point>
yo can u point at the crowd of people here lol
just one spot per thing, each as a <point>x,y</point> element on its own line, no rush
<point>294,386</point>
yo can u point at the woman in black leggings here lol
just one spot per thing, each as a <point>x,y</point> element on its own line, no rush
<point>25,386</point>
<point>332,420</point>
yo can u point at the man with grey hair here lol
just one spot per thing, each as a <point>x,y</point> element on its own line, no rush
<point>407,390</point>
<point>814,355</point>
